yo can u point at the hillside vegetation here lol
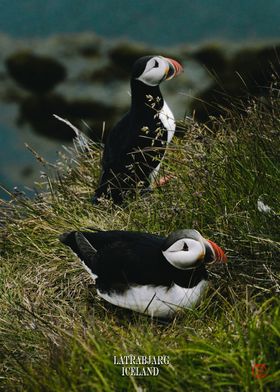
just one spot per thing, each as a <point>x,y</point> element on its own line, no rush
<point>57,335</point>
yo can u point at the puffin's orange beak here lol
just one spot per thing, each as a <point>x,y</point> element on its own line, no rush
<point>174,68</point>
<point>220,255</point>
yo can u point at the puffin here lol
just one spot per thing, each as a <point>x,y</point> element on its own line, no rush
<point>145,272</point>
<point>135,146</point>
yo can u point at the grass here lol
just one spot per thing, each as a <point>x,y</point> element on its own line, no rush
<point>57,335</point>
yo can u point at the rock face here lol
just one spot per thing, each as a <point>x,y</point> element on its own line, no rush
<point>247,72</point>
<point>38,74</point>
<point>85,78</point>
<point>38,112</point>
<point>124,54</point>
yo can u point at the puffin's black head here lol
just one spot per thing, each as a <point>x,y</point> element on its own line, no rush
<point>185,248</point>
<point>152,70</point>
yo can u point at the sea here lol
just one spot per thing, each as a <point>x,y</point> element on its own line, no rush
<point>159,22</point>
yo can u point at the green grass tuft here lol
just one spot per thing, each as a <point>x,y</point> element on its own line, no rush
<point>57,335</point>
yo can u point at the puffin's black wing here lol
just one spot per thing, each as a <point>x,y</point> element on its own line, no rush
<point>117,144</point>
<point>80,246</point>
<point>120,258</point>
<point>115,179</point>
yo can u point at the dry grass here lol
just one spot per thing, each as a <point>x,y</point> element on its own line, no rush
<point>57,335</point>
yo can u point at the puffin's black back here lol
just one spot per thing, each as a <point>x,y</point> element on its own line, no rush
<point>125,258</point>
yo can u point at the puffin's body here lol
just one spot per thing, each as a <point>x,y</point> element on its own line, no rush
<point>145,272</point>
<point>136,145</point>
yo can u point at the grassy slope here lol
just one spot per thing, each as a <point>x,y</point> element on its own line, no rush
<point>56,335</point>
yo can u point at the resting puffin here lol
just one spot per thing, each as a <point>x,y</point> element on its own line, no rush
<point>145,272</point>
<point>136,145</point>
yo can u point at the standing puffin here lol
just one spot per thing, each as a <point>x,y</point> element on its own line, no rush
<point>136,145</point>
<point>145,272</point>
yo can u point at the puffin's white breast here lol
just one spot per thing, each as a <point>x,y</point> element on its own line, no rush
<point>168,121</point>
<point>157,301</point>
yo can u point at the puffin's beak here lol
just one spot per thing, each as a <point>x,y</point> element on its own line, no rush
<point>174,68</point>
<point>219,254</point>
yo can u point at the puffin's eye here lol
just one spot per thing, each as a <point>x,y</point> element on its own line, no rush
<point>185,247</point>
<point>156,64</point>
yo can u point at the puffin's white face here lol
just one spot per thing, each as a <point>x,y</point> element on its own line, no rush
<point>184,253</point>
<point>185,248</point>
<point>158,69</point>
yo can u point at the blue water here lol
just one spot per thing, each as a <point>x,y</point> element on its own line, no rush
<point>163,22</point>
